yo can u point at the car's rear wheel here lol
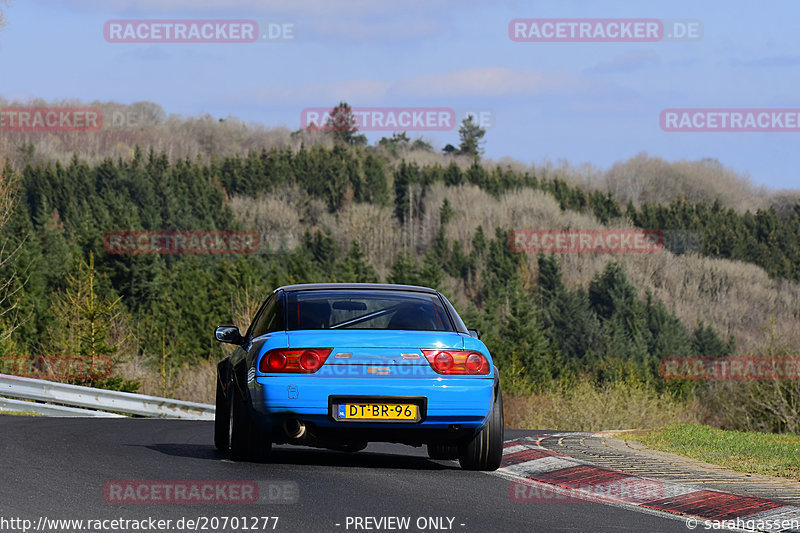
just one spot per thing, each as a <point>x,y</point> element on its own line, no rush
<point>222,416</point>
<point>248,442</point>
<point>442,452</point>
<point>484,451</point>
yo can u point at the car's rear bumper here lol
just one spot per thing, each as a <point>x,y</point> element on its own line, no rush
<point>450,403</point>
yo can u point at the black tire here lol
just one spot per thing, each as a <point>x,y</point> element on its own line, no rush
<point>485,450</point>
<point>222,415</point>
<point>442,452</point>
<point>248,442</point>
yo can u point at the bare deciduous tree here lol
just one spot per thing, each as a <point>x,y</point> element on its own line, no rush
<point>9,282</point>
<point>3,21</point>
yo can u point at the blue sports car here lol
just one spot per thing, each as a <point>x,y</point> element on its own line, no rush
<point>341,365</point>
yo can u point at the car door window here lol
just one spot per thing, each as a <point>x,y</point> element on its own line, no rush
<point>270,319</point>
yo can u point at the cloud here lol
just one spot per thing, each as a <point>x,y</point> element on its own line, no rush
<point>374,29</point>
<point>488,82</point>
<point>356,20</point>
<point>629,62</point>
<point>363,91</point>
<point>484,83</point>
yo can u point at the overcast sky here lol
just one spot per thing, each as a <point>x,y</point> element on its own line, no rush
<point>596,102</point>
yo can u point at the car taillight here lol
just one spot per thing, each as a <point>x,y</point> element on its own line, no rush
<point>443,362</point>
<point>310,361</point>
<point>298,361</point>
<point>457,361</point>
<point>276,361</point>
<point>474,363</point>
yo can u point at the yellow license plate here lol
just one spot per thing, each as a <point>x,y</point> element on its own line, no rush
<point>377,411</point>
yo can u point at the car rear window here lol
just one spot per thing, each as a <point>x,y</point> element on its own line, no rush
<point>389,310</point>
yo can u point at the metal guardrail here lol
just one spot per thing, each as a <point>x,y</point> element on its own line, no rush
<point>46,409</point>
<point>91,400</point>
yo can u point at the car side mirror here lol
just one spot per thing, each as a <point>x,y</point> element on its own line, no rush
<point>229,334</point>
<point>474,333</point>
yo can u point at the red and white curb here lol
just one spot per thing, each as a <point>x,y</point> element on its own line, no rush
<point>540,475</point>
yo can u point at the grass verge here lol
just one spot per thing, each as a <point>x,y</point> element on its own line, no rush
<point>585,406</point>
<point>756,453</point>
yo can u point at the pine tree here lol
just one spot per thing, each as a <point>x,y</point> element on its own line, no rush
<point>432,273</point>
<point>459,265</point>
<point>356,268</point>
<point>479,241</point>
<point>523,343</point>
<point>376,186</point>
<point>668,336</point>
<point>323,249</point>
<point>501,265</point>
<point>404,270</point>
<point>453,175</point>
<point>471,136</point>
<point>83,326</point>
<point>613,299</point>
<point>343,125</point>
<point>706,343</point>
<point>405,177</point>
<point>567,315</point>
<point>446,213</point>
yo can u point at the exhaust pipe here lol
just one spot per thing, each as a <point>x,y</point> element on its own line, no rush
<point>294,429</point>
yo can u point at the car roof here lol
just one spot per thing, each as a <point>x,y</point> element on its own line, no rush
<point>356,286</point>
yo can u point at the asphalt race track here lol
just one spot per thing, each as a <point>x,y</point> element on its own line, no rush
<point>60,469</point>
